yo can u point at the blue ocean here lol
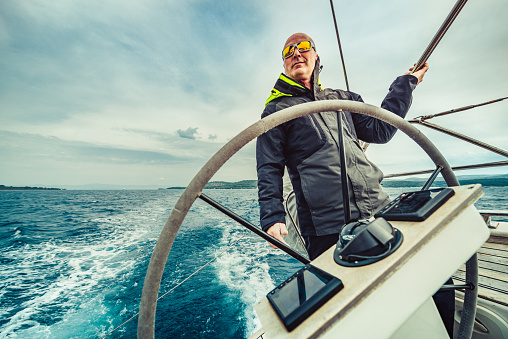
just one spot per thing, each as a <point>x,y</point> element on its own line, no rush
<point>73,263</point>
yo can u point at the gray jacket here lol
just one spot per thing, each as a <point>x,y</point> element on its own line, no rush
<point>308,147</point>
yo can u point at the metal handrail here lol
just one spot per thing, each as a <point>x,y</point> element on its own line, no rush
<point>494,213</point>
<point>440,33</point>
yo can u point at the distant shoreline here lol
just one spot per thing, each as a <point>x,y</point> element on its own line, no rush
<point>484,180</point>
<point>27,188</point>
<point>244,184</point>
<point>496,180</point>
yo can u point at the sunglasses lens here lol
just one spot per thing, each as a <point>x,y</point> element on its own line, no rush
<point>288,51</point>
<point>304,46</point>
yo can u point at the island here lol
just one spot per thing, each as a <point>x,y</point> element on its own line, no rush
<point>244,184</point>
<point>27,188</point>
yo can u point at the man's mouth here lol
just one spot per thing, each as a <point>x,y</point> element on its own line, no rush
<point>297,63</point>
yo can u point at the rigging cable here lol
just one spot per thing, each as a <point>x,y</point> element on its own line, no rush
<point>422,121</point>
<point>456,168</point>
<point>439,35</point>
<point>340,48</point>
<point>180,283</point>
<point>455,110</point>
<point>464,137</point>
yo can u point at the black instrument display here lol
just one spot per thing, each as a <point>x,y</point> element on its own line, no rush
<point>302,294</point>
<point>415,206</point>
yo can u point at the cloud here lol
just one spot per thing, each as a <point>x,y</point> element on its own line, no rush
<point>104,85</point>
<point>31,159</point>
<point>189,133</point>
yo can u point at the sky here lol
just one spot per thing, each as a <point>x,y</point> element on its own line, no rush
<point>145,92</point>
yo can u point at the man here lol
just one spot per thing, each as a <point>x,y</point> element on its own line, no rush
<point>308,148</point>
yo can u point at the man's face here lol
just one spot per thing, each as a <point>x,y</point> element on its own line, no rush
<point>300,66</point>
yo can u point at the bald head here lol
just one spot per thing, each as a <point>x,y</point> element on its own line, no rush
<point>297,37</point>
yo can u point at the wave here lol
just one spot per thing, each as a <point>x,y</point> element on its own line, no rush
<point>80,273</point>
<point>61,278</point>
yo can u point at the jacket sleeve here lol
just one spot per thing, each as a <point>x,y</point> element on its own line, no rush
<point>398,101</point>
<point>270,169</point>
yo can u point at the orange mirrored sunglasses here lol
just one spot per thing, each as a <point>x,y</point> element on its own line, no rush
<point>303,46</point>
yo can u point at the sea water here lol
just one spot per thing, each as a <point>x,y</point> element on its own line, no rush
<point>73,263</point>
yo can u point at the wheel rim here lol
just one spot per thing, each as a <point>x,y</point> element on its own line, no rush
<point>146,320</point>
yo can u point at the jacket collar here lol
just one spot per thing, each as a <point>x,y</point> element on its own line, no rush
<point>285,86</point>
